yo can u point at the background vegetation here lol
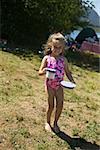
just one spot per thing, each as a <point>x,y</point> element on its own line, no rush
<point>29,22</point>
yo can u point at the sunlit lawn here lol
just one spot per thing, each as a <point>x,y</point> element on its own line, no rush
<point>23,104</point>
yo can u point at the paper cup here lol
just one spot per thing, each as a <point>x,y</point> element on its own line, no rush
<point>50,73</point>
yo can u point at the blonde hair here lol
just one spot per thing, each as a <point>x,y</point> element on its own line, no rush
<point>54,37</point>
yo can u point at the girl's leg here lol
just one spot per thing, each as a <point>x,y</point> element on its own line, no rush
<point>51,94</point>
<point>59,106</point>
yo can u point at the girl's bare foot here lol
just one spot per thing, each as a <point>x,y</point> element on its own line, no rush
<point>48,127</point>
<point>56,129</point>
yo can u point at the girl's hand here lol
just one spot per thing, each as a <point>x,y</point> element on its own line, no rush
<point>44,70</point>
<point>74,82</point>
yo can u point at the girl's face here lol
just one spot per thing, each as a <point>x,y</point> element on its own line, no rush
<point>57,48</point>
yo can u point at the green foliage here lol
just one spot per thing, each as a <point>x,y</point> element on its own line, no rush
<point>28,22</point>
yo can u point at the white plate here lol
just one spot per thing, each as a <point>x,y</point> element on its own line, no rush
<point>68,84</point>
<point>50,69</point>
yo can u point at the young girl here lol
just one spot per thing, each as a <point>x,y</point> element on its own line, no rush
<point>54,59</point>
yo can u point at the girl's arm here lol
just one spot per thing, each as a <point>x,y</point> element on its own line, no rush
<point>67,71</point>
<point>42,69</point>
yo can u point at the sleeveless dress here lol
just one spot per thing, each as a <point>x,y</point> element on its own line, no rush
<point>57,64</point>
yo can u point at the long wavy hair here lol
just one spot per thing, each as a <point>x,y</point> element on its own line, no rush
<point>54,37</point>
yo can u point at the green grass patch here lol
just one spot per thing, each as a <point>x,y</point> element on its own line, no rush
<point>23,103</point>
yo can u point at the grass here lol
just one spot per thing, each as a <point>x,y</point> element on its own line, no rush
<point>23,104</point>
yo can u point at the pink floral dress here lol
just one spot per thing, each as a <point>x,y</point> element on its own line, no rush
<point>57,64</point>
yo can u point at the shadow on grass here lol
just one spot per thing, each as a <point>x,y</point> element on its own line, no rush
<point>88,61</point>
<point>85,60</point>
<point>21,52</point>
<point>78,143</point>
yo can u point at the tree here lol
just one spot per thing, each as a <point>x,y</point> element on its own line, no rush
<point>31,21</point>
